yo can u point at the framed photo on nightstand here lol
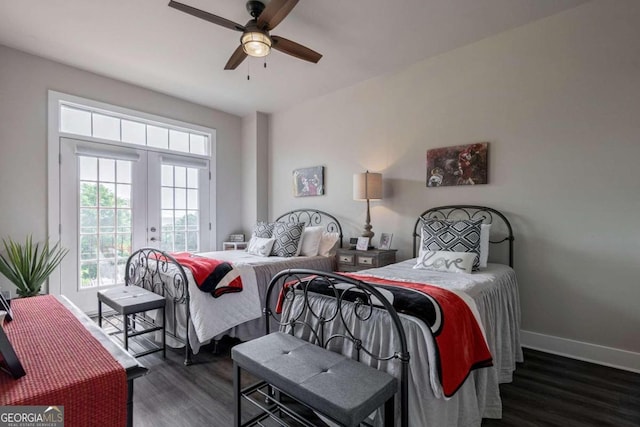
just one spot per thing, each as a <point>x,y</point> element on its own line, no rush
<point>363,243</point>
<point>385,241</point>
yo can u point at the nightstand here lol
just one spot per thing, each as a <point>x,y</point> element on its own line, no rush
<point>231,246</point>
<point>350,260</point>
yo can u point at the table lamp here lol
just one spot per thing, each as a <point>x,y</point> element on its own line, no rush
<point>367,186</point>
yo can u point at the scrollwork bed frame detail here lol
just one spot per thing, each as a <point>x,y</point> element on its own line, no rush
<point>313,217</point>
<point>160,273</point>
<point>302,315</point>
<point>488,215</point>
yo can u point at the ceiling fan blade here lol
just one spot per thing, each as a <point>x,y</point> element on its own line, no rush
<point>206,16</point>
<point>274,13</point>
<point>236,59</point>
<point>295,49</point>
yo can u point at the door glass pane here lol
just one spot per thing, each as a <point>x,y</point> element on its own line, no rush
<point>180,227</point>
<point>105,226</point>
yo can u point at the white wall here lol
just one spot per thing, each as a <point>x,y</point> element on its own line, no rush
<point>24,81</point>
<point>255,172</point>
<point>558,101</point>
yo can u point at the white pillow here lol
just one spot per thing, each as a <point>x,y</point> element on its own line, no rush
<point>260,246</point>
<point>310,241</point>
<point>328,244</point>
<point>485,229</point>
<point>453,262</point>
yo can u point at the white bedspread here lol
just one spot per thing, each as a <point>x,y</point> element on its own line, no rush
<point>213,317</point>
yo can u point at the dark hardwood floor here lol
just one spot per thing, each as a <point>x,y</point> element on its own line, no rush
<point>547,390</point>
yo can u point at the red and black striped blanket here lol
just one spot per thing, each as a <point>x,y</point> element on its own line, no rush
<point>461,345</point>
<point>211,275</point>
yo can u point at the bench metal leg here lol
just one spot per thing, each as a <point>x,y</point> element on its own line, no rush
<point>100,313</point>
<point>237,421</point>
<point>126,331</point>
<point>389,412</point>
<point>164,332</point>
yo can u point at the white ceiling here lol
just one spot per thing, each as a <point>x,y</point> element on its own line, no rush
<point>149,44</point>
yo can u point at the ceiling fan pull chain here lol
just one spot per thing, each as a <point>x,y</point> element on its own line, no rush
<point>248,70</point>
<point>265,62</point>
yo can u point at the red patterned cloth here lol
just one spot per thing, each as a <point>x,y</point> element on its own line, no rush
<point>211,275</point>
<point>65,365</point>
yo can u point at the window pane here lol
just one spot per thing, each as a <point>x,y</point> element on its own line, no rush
<point>181,176</point>
<point>192,178</point>
<point>167,220</point>
<point>181,220</point>
<point>123,171</point>
<point>166,200</point>
<point>75,121</point>
<point>107,170</point>
<point>123,195</point>
<point>192,199</point>
<point>88,168</point>
<point>180,198</point>
<point>88,247</point>
<point>124,220</point>
<point>192,220</point>
<point>107,195</point>
<point>133,132</point>
<point>88,221</point>
<point>88,274</point>
<point>198,144</point>
<point>178,141</point>
<point>106,127</point>
<point>167,176</point>
<point>192,241</point>
<point>88,194</point>
<point>107,221</point>
<point>157,137</point>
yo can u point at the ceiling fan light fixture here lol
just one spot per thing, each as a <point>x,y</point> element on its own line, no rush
<point>256,43</point>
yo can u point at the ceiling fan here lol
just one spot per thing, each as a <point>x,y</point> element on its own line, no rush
<point>256,40</point>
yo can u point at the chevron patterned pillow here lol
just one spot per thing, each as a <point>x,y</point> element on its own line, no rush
<point>287,237</point>
<point>455,236</point>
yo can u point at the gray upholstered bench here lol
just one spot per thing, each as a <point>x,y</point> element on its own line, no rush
<point>344,390</point>
<point>131,302</point>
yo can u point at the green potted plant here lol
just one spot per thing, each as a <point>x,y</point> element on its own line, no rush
<point>28,266</point>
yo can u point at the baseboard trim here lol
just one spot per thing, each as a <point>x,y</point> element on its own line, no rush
<point>607,356</point>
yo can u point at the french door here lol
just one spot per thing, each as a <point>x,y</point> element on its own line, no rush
<point>114,200</point>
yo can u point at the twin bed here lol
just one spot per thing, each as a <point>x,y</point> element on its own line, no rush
<point>492,290</point>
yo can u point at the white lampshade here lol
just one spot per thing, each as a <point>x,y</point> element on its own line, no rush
<point>256,44</point>
<point>367,186</point>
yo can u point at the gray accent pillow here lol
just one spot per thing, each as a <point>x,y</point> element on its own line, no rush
<point>455,236</point>
<point>287,237</point>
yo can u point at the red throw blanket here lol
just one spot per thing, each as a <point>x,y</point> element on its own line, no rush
<point>460,343</point>
<point>66,366</point>
<point>211,275</point>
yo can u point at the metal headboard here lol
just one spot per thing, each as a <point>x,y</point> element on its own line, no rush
<point>313,217</point>
<point>488,215</point>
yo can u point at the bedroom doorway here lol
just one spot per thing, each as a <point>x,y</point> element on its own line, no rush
<point>115,199</point>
